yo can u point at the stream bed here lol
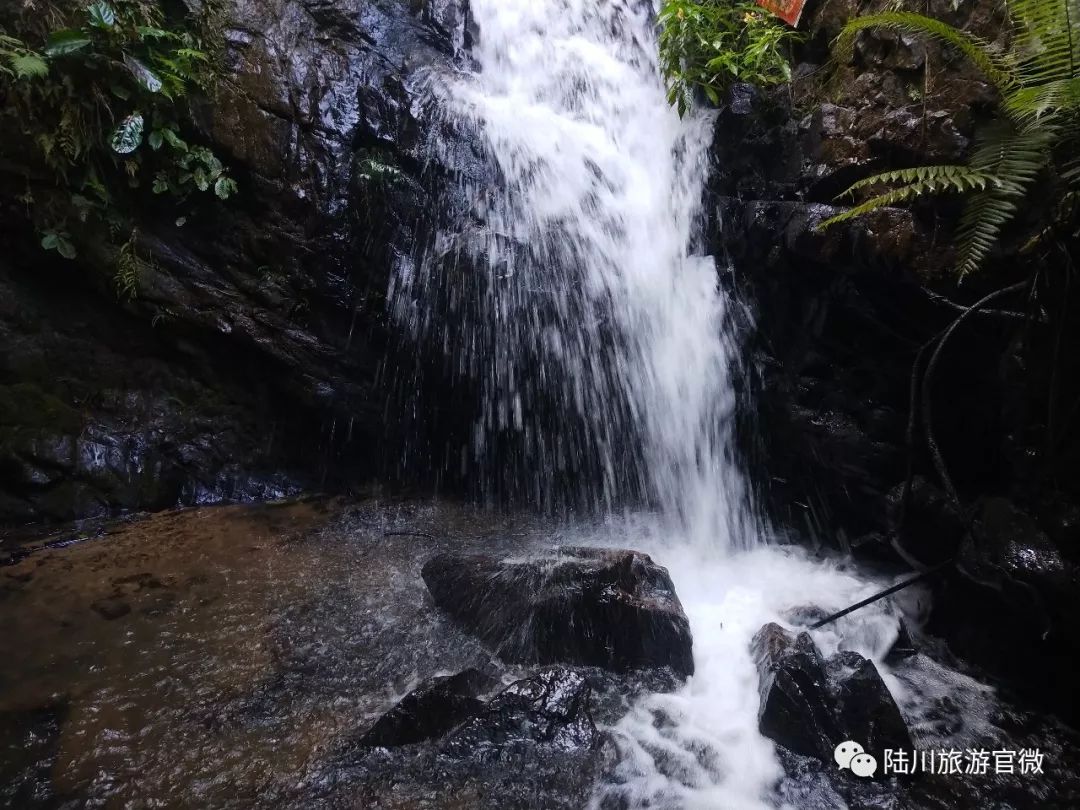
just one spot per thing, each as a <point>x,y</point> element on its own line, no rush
<point>231,657</point>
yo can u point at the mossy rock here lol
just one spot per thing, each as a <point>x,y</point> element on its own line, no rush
<point>27,406</point>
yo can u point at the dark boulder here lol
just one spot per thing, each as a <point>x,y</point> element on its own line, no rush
<point>1012,606</point>
<point>810,704</point>
<point>430,710</point>
<point>611,608</point>
<point>865,709</point>
<point>552,709</point>
<point>794,710</point>
<point>533,744</point>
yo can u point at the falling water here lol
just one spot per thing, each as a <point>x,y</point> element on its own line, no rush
<point>571,291</point>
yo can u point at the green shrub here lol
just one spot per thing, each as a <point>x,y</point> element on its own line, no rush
<point>711,44</point>
<point>102,100</point>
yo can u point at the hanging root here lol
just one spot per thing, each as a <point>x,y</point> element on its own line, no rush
<point>935,451</point>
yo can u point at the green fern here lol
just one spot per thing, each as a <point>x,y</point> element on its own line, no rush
<point>1038,83</point>
<point>19,61</point>
<point>916,182</point>
<point>996,69</point>
<point>128,269</point>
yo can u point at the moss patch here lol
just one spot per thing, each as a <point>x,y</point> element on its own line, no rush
<point>27,405</point>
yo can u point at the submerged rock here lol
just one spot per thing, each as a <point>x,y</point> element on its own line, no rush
<point>430,710</point>
<point>810,704</point>
<point>611,608</point>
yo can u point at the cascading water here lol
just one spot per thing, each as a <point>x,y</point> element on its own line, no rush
<point>590,327</point>
<point>571,292</point>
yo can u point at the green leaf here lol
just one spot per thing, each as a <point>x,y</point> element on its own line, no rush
<point>59,241</point>
<point>66,41</point>
<point>101,15</point>
<point>202,182</point>
<point>120,92</point>
<point>29,65</point>
<point>155,140</point>
<point>128,135</point>
<point>66,249</point>
<point>147,32</point>
<point>224,187</point>
<point>143,75</point>
<point>174,140</point>
<point>161,185</point>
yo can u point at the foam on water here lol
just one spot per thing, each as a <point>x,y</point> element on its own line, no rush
<point>578,280</point>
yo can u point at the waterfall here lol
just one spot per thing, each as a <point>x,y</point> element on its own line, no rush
<point>571,291</point>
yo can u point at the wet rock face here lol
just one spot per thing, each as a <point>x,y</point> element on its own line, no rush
<point>550,709</point>
<point>838,316</point>
<point>533,744</point>
<point>615,609</point>
<point>1012,606</point>
<point>246,366</point>
<point>810,704</point>
<point>430,710</point>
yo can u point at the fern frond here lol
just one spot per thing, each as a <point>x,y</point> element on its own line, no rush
<point>949,177</point>
<point>1070,172</point>
<point>1058,97</point>
<point>1015,158</point>
<point>29,66</point>
<point>1046,39</point>
<point>996,69</point>
<point>984,217</point>
<point>905,193</point>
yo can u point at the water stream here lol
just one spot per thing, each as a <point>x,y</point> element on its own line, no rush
<point>574,294</point>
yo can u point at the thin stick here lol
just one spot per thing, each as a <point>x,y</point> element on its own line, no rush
<point>887,592</point>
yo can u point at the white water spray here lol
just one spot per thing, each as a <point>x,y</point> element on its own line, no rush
<point>592,325</point>
<point>573,292</point>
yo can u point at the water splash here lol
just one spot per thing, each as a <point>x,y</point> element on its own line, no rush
<point>572,291</point>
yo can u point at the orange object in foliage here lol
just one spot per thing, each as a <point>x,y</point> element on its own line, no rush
<point>787,10</point>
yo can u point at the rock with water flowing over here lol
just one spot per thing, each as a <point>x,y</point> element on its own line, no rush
<point>430,710</point>
<point>810,704</point>
<point>611,608</point>
<point>550,709</point>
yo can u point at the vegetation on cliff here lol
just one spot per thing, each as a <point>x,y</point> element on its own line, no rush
<point>710,45</point>
<point>96,97</point>
<point>1033,138</point>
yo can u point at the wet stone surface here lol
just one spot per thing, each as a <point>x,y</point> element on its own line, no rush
<point>611,608</point>
<point>248,656</point>
<point>263,643</point>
